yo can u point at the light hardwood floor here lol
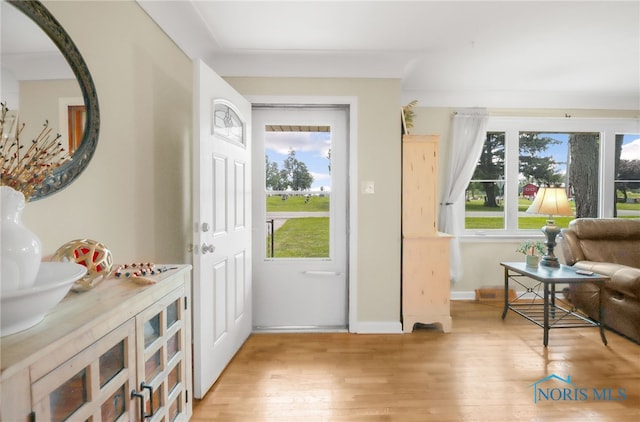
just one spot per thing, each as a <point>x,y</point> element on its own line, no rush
<point>482,371</point>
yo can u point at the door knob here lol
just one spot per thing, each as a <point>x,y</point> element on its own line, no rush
<point>207,248</point>
<point>205,227</point>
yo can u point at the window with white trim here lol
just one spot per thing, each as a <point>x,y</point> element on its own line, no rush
<point>597,161</point>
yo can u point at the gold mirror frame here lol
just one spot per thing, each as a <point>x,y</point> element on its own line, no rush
<point>69,171</point>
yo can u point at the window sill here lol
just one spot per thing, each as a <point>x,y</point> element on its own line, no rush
<point>488,238</point>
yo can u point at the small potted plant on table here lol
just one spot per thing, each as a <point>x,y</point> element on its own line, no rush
<point>532,250</point>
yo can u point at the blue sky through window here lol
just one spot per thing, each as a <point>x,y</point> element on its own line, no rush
<point>630,148</point>
<point>311,148</point>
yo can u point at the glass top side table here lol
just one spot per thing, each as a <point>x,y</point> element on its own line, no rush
<point>551,312</point>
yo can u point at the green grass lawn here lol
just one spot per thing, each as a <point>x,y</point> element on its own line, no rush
<point>524,223</point>
<point>533,222</point>
<point>309,237</point>
<point>628,206</point>
<point>301,238</point>
<point>297,203</point>
<point>523,204</point>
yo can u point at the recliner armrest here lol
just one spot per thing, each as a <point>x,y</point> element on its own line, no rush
<point>570,245</point>
<point>622,278</point>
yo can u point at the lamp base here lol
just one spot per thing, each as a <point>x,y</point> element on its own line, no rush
<point>550,261</point>
<point>550,231</point>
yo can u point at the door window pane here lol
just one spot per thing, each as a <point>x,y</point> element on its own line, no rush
<point>172,313</point>
<point>173,345</point>
<point>114,407</point>
<point>173,378</point>
<point>111,363</point>
<point>69,397</point>
<point>227,123</point>
<point>175,409</point>
<point>153,366</point>
<point>298,191</point>
<point>156,398</point>
<point>151,330</point>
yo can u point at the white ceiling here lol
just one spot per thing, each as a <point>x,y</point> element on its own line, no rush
<point>26,53</point>
<point>446,53</point>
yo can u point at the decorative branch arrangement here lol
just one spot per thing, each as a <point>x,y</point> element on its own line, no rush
<point>25,171</point>
<point>407,116</point>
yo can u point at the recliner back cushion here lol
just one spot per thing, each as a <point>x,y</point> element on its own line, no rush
<point>608,240</point>
<point>624,252</point>
<point>606,228</point>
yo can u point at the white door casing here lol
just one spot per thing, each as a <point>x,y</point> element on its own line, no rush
<point>222,287</point>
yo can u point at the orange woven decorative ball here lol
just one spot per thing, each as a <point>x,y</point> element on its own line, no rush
<point>90,253</point>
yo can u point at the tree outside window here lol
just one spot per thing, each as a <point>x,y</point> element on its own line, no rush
<point>569,159</point>
<point>627,176</point>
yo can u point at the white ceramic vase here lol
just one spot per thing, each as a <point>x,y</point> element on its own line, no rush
<point>21,250</point>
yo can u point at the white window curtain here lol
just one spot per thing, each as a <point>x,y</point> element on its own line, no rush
<point>467,138</point>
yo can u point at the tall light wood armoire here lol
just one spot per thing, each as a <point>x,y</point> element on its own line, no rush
<point>426,286</point>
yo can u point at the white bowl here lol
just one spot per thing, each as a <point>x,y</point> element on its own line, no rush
<point>24,308</point>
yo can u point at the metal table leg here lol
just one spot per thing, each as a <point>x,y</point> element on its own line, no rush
<point>601,315</point>
<point>553,300</point>
<point>506,292</point>
<point>545,340</point>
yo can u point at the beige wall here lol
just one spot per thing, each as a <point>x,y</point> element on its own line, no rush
<point>379,160</point>
<point>135,194</point>
<point>39,103</point>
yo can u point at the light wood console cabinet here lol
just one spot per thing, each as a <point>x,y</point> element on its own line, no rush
<point>119,352</point>
<point>426,286</point>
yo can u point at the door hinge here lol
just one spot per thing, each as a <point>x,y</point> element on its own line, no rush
<point>186,306</point>
<point>186,396</point>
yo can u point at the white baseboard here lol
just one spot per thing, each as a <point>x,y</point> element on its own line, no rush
<point>471,295</point>
<point>376,327</point>
<point>395,327</point>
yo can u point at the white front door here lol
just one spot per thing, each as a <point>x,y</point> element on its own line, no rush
<point>222,291</point>
<point>300,217</point>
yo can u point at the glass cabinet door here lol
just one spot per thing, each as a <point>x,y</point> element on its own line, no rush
<point>93,385</point>
<point>161,359</point>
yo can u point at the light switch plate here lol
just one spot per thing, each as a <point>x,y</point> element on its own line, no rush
<point>368,187</point>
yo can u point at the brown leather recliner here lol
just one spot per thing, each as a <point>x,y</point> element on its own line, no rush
<point>611,247</point>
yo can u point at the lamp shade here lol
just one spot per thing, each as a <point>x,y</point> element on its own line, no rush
<point>550,201</point>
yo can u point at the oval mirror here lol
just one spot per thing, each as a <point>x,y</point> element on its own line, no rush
<point>24,57</point>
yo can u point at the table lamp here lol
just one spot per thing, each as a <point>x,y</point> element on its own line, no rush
<point>550,201</point>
